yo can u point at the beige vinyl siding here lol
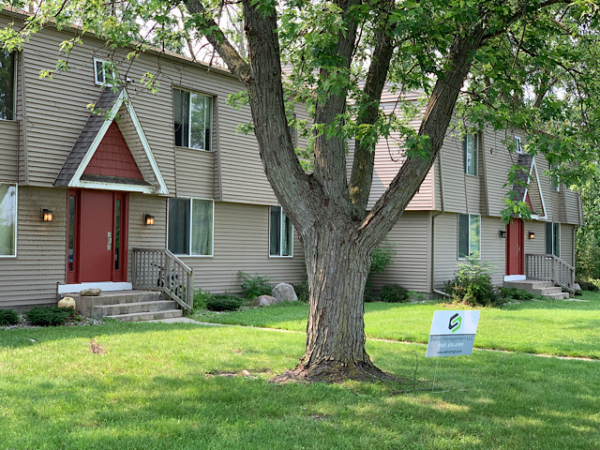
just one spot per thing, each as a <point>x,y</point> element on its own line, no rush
<point>195,173</point>
<point>57,110</point>
<point>411,262</point>
<point>31,277</point>
<point>241,243</point>
<point>462,193</point>
<point>535,246</point>
<point>573,208</point>
<point>446,262</point>
<point>498,161</point>
<point>9,144</point>
<point>567,253</point>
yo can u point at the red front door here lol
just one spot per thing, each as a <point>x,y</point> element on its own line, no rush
<point>97,236</point>
<point>515,253</point>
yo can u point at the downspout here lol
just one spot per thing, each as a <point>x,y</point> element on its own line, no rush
<point>443,209</point>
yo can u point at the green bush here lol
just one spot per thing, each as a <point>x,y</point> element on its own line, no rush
<point>223,303</point>
<point>8,317</point>
<point>301,291</point>
<point>516,294</point>
<point>45,316</point>
<point>255,286</point>
<point>201,299</point>
<point>472,284</point>
<point>393,293</point>
<point>382,257</point>
<point>588,286</point>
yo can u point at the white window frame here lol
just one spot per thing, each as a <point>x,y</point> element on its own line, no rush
<point>191,203</point>
<point>212,107</point>
<point>464,258</point>
<point>103,61</point>
<point>475,138</point>
<point>14,87</point>
<point>281,233</point>
<point>519,146</point>
<point>16,219</point>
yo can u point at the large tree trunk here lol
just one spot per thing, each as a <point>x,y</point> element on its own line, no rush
<point>337,268</point>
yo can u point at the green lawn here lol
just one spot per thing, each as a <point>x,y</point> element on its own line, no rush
<point>151,390</point>
<point>540,326</point>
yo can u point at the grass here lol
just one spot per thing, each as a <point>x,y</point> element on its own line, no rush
<point>151,390</point>
<point>551,327</point>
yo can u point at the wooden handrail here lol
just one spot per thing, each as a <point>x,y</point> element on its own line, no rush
<point>158,269</point>
<point>548,267</point>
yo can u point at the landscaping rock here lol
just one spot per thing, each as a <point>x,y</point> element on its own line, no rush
<point>284,292</point>
<point>90,292</point>
<point>577,287</point>
<point>264,300</point>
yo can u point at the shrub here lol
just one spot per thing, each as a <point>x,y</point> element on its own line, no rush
<point>301,291</point>
<point>8,317</point>
<point>223,303</point>
<point>255,286</point>
<point>201,299</point>
<point>382,257</point>
<point>588,286</point>
<point>516,294</point>
<point>45,316</point>
<point>393,293</point>
<point>472,284</point>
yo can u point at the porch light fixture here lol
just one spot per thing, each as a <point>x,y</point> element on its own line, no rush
<point>502,234</point>
<point>47,215</point>
<point>148,219</point>
<point>531,235</point>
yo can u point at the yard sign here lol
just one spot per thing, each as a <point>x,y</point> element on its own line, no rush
<point>452,333</point>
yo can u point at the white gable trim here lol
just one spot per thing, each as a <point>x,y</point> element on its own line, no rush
<point>537,180</point>
<point>76,180</point>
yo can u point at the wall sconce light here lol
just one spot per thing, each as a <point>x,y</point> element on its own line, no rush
<point>502,234</point>
<point>148,219</point>
<point>531,235</point>
<point>47,215</point>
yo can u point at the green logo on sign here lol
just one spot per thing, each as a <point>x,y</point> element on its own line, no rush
<point>455,322</point>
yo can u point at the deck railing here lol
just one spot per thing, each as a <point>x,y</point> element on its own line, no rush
<point>156,269</point>
<point>546,267</point>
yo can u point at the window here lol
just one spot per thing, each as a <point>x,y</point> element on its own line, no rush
<point>469,236</point>
<point>8,219</point>
<point>7,85</point>
<point>553,238</point>
<point>281,233</point>
<point>190,226</point>
<point>554,180</point>
<point>519,145</point>
<point>192,119</point>
<point>470,153</point>
<point>100,69</point>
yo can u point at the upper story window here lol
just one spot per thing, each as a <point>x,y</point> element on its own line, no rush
<point>101,68</point>
<point>281,233</point>
<point>553,238</point>
<point>470,154</point>
<point>519,145</point>
<point>469,236</point>
<point>192,119</point>
<point>7,85</point>
<point>8,219</point>
<point>190,229</point>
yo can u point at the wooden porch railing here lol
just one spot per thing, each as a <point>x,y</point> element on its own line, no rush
<point>548,267</point>
<point>156,269</point>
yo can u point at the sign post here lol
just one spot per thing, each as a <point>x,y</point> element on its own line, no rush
<point>452,334</point>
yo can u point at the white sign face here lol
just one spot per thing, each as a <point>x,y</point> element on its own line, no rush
<point>452,333</point>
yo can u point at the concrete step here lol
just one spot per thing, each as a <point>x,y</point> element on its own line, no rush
<point>99,311</point>
<point>144,316</point>
<point>526,285</point>
<point>86,304</point>
<point>559,296</point>
<point>547,291</point>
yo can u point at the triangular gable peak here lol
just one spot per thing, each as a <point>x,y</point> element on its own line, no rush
<point>534,193</point>
<point>81,168</point>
